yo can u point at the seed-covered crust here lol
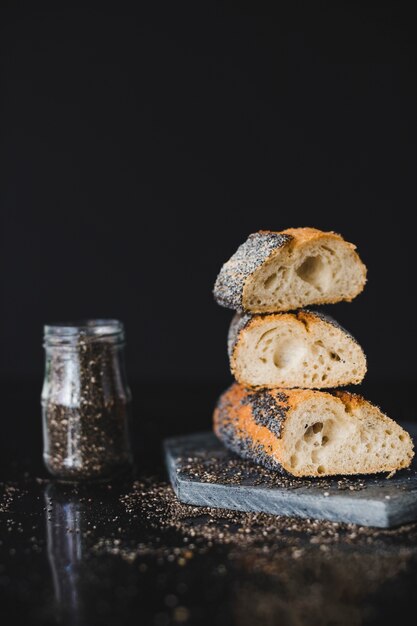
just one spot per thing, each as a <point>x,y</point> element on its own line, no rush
<point>249,422</point>
<point>228,289</point>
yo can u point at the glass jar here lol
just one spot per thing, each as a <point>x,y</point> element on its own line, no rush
<point>85,400</point>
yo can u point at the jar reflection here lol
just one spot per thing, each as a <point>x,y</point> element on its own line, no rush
<point>66,523</point>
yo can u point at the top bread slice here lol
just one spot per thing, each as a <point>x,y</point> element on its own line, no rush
<point>291,269</point>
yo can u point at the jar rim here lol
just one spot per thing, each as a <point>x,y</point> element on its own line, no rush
<point>86,327</point>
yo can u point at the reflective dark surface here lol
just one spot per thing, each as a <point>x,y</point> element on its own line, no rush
<point>54,570</point>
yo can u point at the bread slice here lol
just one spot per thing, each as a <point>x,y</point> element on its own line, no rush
<point>310,433</point>
<point>280,271</point>
<point>303,349</point>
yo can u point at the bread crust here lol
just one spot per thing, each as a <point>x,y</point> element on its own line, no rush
<point>252,422</point>
<point>237,273</point>
<point>242,323</point>
<point>230,283</point>
<point>307,234</point>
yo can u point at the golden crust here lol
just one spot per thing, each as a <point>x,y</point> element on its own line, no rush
<point>307,234</point>
<point>353,401</point>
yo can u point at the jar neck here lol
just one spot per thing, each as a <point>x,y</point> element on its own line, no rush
<point>84,332</point>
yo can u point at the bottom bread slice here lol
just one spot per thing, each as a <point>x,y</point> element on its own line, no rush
<point>310,433</point>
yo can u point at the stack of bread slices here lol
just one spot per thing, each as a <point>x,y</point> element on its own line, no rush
<point>281,355</point>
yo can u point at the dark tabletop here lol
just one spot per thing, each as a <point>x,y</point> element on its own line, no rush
<point>127,553</point>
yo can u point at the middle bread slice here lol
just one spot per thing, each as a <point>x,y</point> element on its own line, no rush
<point>304,349</point>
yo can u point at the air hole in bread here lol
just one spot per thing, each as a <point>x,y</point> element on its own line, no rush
<point>288,353</point>
<point>308,433</point>
<point>269,282</point>
<point>293,460</point>
<point>329,250</point>
<point>334,356</point>
<point>401,437</point>
<point>388,432</point>
<point>314,456</point>
<point>313,430</point>
<point>324,440</point>
<point>314,272</point>
<point>320,469</point>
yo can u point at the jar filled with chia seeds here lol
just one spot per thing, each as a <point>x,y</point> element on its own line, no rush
<point>85,400</point>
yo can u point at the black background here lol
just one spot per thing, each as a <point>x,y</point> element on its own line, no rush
<point>138,148</point>
<point>141,146</point>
